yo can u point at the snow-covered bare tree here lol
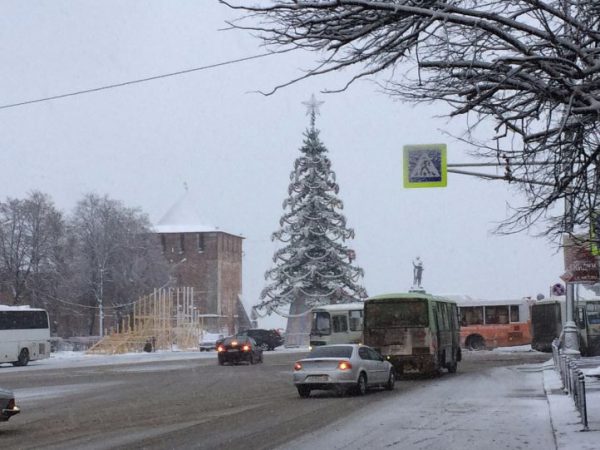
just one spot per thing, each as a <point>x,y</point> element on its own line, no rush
<point>533,67</point>
<point>315,265</point>
<point>115,257</point>
<point>31,236</point>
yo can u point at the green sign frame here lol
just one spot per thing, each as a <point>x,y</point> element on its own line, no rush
<point>425,166</point>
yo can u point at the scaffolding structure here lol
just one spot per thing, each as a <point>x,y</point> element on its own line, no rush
<point>164,320</point>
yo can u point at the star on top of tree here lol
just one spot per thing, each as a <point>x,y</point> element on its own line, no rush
<point>312,108</point>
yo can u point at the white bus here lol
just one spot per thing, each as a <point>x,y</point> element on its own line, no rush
<point>24,334</point>
<point>337,324</point>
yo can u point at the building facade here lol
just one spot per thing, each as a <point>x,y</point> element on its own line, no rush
<point>207,259</point>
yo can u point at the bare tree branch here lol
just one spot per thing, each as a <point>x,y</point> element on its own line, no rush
<point>531,66</point>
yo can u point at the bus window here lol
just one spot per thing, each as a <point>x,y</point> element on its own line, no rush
<point>514,313</point>
<point>593,313</point>
<point>321,324</point>
<point>471,315</point>
<point>409,313</point>
<point>445,316</point>
<point>22,320</point>
<point>496,314</point>
<point>356,321</point>
<point>340,324</point>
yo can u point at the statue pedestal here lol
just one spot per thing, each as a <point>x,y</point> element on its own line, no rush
<point>419,289</point>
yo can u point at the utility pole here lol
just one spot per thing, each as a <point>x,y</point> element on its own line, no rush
<point>100,301</point>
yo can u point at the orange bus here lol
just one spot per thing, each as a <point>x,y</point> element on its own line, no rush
<point>486,324</point>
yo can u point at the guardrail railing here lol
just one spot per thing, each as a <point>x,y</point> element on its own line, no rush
<point>573,378</point>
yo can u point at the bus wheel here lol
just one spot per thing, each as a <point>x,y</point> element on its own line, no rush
<point>23,358</point>
<point>476,342</point>
<point>452,367</point>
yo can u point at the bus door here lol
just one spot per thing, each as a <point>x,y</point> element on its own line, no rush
<point>339,325</point>
<point>436,341</point>
<point>445,336</point>
<point>588,321</point>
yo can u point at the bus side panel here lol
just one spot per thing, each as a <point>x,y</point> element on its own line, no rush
<point>8,351</point>
<point>342,329</point>
<point>545,326</point>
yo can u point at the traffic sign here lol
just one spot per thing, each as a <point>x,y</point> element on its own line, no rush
<point>425,166</point>
<point>580,265</point>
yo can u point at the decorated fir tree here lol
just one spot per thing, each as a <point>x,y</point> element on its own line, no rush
<point>314,266</point>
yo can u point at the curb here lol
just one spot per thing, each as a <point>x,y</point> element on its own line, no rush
<point>564,417</point>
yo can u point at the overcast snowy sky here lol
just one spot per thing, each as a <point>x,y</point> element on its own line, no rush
<point>235,148</point>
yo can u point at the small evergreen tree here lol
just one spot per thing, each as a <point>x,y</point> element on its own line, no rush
<point>314,267</point>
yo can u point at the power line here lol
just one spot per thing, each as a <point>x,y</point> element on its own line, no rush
<point>141,80</point>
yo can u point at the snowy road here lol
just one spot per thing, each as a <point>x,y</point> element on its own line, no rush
<point>493,409</point>
<point>194,403</point>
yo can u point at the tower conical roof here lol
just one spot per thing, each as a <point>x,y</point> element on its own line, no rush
<point>183,217</point>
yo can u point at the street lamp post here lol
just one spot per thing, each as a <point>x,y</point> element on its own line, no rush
<point>570,333</point>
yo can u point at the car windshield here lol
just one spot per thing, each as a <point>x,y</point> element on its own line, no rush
<point>342,351</point>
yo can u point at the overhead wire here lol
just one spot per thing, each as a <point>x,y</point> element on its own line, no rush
<point>137,81</point>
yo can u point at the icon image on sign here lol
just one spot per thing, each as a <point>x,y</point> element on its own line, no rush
<point>425,165</point>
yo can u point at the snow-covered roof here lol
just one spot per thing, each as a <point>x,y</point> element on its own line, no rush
<point>467,300</point>
<point>19,308</point>
<point>183,217</point>
<point>341,306</point>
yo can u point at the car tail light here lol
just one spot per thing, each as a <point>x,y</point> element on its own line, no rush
<point>246,348</point>
<point>297,366</point>
<point>220,348</point>
<point>234,343</point>
<point>344,365</point>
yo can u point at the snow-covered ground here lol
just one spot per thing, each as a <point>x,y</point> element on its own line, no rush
<point>514,407</point>
<point>565,418</point>
<point>81,359</point>
<point>522,407</point>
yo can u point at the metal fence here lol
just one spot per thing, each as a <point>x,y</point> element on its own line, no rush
<point>573,378</point>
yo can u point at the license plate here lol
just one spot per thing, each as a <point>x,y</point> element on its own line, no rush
<point>233,350</point>
<point>318,378</point>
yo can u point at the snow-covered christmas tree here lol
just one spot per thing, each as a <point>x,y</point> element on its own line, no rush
<point>315,266</point>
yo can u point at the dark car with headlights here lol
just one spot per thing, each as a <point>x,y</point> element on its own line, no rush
<point>8,407</point>
<point>237,349</point>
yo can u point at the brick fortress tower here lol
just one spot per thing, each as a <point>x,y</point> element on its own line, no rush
<point>207,259</point>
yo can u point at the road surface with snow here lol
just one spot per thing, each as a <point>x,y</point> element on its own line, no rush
<point>188,401</point>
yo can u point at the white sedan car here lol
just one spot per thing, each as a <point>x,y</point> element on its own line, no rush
<point>344,367</point>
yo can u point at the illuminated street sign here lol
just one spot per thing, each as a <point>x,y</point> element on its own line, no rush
<point>425,166</point>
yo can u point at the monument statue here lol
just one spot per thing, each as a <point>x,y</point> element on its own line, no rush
<point>417,272</point>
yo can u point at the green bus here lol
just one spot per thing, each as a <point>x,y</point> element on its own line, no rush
<point>414,331</point>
